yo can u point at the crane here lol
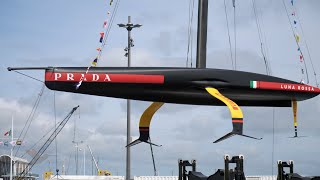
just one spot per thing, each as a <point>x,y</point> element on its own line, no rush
<point>46,144</point>
<point>100,172</point>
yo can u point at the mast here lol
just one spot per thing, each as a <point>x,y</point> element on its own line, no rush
<point>84,161</point>
<point>202,34</point>
<point>11,157</point>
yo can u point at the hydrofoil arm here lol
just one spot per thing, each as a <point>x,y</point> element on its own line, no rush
<point>144,124</point>
<point>295,122</point>
<point>236,114</point>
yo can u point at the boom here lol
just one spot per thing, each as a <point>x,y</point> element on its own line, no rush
<point>47,144</point>
<point>94,160</point>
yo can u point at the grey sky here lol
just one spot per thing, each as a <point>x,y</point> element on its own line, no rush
<point>66,33</point>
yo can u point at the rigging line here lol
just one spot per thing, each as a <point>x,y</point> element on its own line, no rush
<point>114,13</point>
<point>273,112</point>
<point>28,76</point>
<point>235,34</point>
<point>266,49</point>
<point>27,123</point>
<point>285,7</point>
<point>67,170</point>
<point>189,25</point>
<point>302,72</point>
<point>39,140</point>
<point>30,118</point>
<point>259,29</point>
<point>55,127</point>
<point>307,47</point>
<point>109,28</point>
<point>191,56</point>
<point>105,37</point>
<point>190,36</point>
<point>230,45</point>
<point>260,36</point>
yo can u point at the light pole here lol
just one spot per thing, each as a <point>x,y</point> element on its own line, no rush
<point>129,26</point>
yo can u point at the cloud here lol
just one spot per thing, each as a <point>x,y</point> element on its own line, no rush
<point>184,131</point>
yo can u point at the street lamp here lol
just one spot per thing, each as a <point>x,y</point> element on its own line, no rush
<point>129,26</point>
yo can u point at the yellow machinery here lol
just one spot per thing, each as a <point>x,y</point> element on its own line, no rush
<point>100,172</point>
<point>104,173</point>
<point>47,175</point>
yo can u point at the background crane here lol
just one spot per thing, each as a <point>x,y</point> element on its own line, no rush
<point>46,144</point>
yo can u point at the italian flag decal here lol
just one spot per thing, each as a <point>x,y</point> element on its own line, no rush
<point>253,84</point>
<point>283,86</point>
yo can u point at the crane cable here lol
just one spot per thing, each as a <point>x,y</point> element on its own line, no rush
<point>264,39</point>
<point>230,45</point>
<point>235,33</point>
<point>294,35</point>
<point>190,34</point>
<point>261,38</point>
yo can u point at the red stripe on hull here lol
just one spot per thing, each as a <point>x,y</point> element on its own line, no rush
<point>106,78</point>
<point>286,87</point>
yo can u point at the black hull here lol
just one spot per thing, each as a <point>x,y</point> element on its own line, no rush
<point>181,86</point>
